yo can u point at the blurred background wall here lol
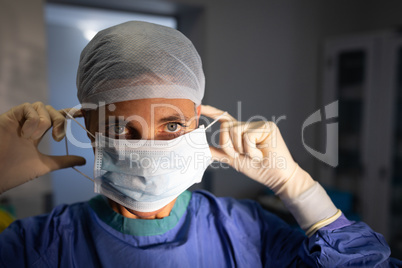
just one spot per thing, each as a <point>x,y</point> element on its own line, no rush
<point>266,54</point>
<point>23,78</point>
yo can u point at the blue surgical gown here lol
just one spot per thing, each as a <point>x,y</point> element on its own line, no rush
<point>201,231</point>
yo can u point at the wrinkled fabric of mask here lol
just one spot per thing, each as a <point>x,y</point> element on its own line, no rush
<point>146,175</point>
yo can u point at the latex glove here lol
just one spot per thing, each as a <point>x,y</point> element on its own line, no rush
<point>258,150</point>
<point>21,130</point>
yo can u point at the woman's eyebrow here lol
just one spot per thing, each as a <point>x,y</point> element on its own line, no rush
<point>174,117</point>
<point>114,120</point>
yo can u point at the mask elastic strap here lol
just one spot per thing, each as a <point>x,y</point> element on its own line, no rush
<point>83,174</point>
<point>75,120</point>
<point>65,140</point>
<point>216,120</point>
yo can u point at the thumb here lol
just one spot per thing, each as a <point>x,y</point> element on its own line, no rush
<point>63,161</point>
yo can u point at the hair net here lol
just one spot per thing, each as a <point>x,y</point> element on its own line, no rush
<point>139,60</point>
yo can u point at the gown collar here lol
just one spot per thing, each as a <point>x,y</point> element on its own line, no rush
<point>140,227</point>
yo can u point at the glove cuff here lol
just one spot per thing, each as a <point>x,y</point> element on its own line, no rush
<point>323,223</point>
<point>311,207</point>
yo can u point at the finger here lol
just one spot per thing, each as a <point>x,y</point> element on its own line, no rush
<point>74,112</point>
<point>224,146</point>
<point>225,142</point>
<point>250,146</point>
<point>214,113</point>
<point>58,123</point>
<point>27,117</point>
<point>236,135</point>
<point>269,139</point>
<point>44,120</point>
<point>63,161</point>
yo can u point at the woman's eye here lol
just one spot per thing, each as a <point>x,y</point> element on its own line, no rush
<point>172,127</point>
<point>117,130</point>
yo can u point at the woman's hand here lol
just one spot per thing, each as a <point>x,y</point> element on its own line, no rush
<point>258,150</point>
<point>21,130</point>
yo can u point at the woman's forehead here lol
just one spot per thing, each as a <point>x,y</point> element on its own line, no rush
<point>153,105</point>
<point>149,109</point>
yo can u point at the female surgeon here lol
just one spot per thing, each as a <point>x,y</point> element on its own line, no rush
<point>148,82</point>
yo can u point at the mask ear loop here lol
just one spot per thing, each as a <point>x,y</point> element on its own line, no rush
<point>75,120</point>
<point>216,120</point>
<point>65,140</point>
